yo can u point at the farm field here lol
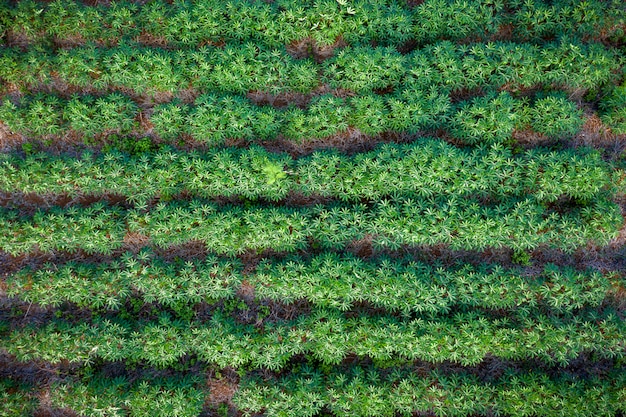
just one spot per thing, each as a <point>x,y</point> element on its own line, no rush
<point>313,208</point>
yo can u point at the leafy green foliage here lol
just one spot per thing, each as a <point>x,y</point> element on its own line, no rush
<point>426,169</point>
<point>614,110</point>
<point>177,402</point>
<point>412,110</point>
<point>214,119</point>
<point>369,115</point>
<point>192,24</point>
<point>365,69</point>
<point>118,398</point>
<point>95,229</point>
<point>274,173</point>
<point>489,119</point>
<point>457,19</point>
<point>148,71</point>
<point>462,224</point>
<point>326,281</point>
<point>89,115</point>
<point>279,290</point>
<point>326,116</point>
<point>556,117</point>
<point>37,117</point>
<point>360,391</point>
<point>16,400</point>
<point>325,336</point>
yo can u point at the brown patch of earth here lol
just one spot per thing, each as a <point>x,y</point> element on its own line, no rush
<point>350,142</point>
<point>504,33</point>
<point>69,42</point>
<point>136,241</point>
<point>17,40</point>
<point>528,138</point>
<point>596,134</point>
<point>300,100</point>
<point>222,387</point>
<point>9,140</point>
<point>309,48</point>
<point>29,203</point>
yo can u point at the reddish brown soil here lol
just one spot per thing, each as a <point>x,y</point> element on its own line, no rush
<point>464,94</point>
<point>153,41</point>
<point>29,203</point>
<point>282,100</point>
<point>69,42</point>
<point>528,138</point>
<point>414,3</point>
<point>597,135</point>
<point>363,247</point>
<point>309,48</point>
<point>17,40</point>
<point>222,388</point>
<point>349,142</point>
<point>505,33</point>
<point>9,141</point>
<point>187,95</point>
<point>136,241</point>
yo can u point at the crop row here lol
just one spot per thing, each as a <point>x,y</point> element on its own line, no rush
<point>360,392</point>
<point>614,110</point>
<point>462,224</point>
<point>417,170</point>
<point>243,68</point>
<point>191,24</point>
<point>213,118</point>
<point>363,393</point>
<point>367,392</point>
<point>325,336</point>
<point>113,397</point>
<point>325,281</point>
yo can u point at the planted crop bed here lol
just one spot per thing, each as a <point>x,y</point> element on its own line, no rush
<point>313,208</point>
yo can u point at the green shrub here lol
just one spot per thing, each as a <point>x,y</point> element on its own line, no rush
<point>35,117</point>
<point>488,119</point>
<point>365,69</point>
<point>216,118</point>
<point>155,401</point>
<point>15,400</point>
<point>614,110</point>
<point>65,19</point>
<point>414,109</point>
<point>437,19</point>
<point>170,120</point>
<point>132,145</point>
<point>100,398</point>
<point>370,114</point>
<point>80,66</point>
<point>555,116</point>
<point>91,115</point>
<point>327,115</point>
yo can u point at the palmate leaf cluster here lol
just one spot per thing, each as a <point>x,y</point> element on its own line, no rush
<point>118,397</point>
<point>245,67</point>
<point>41,116</point>
<point>372,89</point>
<point>16,399</point>
<point>521,224</point>
<point>325,336</point>
<point>350,284</point>
<point>326,281</point>
<point>614,110</point>
<point>428,168</point>
<point>214,118</point>
<point>188,24</point>
<point>368,392</point>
